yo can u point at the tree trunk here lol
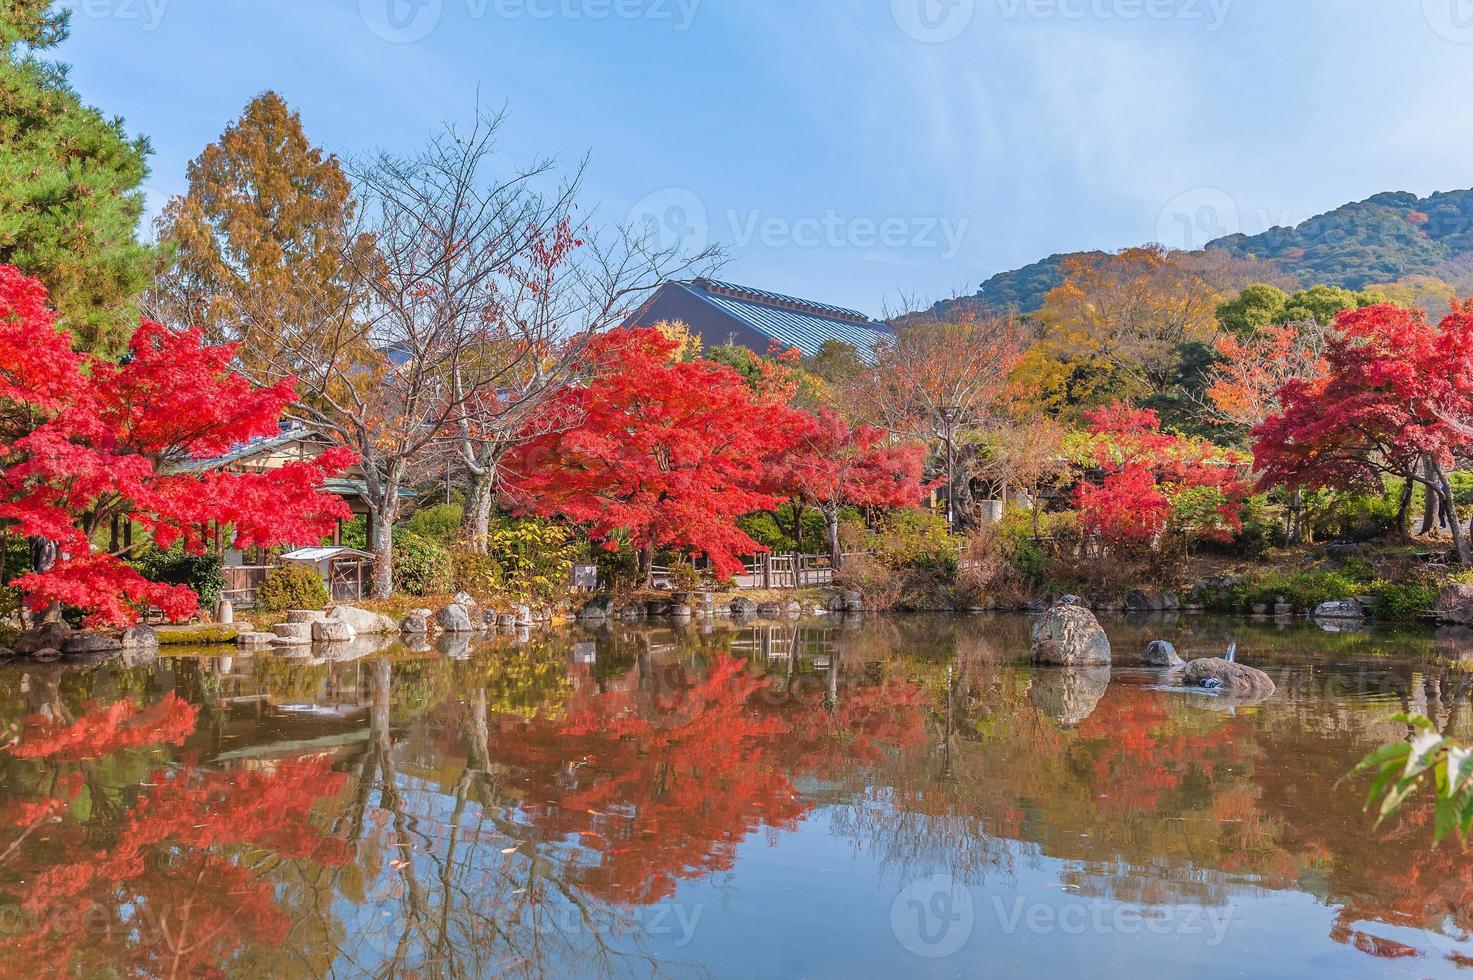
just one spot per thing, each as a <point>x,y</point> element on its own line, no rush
<point>382,547</point>
<point>1404,511</point>
<point>647,567</point>
<point>831,529</point>
<point>475,524</point>
<point>1445,490</point>
<point>1431,511</point>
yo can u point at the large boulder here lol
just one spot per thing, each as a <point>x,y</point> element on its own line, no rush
<point>255,640</point>
<point>415,625</point>
<point>1215,674</point>
<point>1159,653</point>
<point>743,608</point>
<point>599,607</point>
<point>853,601</point>
<point>140,638</point>
<point>292,634</point>
<point>770,610</point>
<point>1455,605</point>
<point>1069,695</point>
<point>525,616</point>
<point>1069,636</point>
<point>47,636</point>
<point>333,631</point>
<point>465,599</point>
<point>308,616</point>
<point>363,622</point>
<point>455,618</point>
<point>90,645</point>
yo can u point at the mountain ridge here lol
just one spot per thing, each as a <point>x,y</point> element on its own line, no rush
<point>1383,239</point>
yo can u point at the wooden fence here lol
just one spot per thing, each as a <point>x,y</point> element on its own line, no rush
<point>241,583</point>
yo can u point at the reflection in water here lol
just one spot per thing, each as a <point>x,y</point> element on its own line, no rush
<point>632,802</point>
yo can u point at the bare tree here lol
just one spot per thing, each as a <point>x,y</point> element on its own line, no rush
<point>941,381</point>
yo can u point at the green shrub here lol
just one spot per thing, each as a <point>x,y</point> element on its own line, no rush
<point>292,587</point>
<point>535,558</point>
<point>1404,601</point>
<point>1351,517</point>
<point>204,574</point>
<point>1304,590</point>
<point>421,566</point>
<point>439,524</point>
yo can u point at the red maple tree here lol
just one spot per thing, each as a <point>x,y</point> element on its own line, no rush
<point>834,465</point>
<point>671,452</point>
<point>85,442</point>
<point>1395,402</point>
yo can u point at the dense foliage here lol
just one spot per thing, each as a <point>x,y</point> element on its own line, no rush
<point>86,443</point>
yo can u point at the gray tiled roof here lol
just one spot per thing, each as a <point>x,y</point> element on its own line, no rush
<point>789,321</point>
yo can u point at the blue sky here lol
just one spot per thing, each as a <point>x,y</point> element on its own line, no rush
<point>849,151</point>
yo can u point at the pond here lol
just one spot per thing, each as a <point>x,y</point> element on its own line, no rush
<point>876,797</point>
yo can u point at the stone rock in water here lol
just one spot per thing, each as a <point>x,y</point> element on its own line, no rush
<point>1215,674</point>
<point>47,636</point>
<point>87,644</point>
<point>1070,636</point>
<point>1162,654</point>
<point>292,634</point>
<point>465,599</point>
<point>743,608</point>
<point>1455,605</point>
<point>455,618</point>
<point>415,625</point>
<point>140,638</point>
<point>333,631</point>
<point>1070,695</point>
<point>305,616</point>
<point>1349,609</point>
<point>363,622</point>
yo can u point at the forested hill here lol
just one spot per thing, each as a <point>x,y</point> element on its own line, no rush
<point>1381,240</point>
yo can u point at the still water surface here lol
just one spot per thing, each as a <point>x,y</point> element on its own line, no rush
<point>878,798</point>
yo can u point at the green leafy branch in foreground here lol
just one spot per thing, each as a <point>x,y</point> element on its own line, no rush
<point>1403,767</point>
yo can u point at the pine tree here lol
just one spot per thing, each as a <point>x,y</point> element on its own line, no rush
<point>70,185</point>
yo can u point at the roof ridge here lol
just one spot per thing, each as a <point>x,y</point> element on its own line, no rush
<point>769,298</point>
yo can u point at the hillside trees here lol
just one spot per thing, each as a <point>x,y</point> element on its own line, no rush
<point>70,186</point>
<point>85,442</point>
